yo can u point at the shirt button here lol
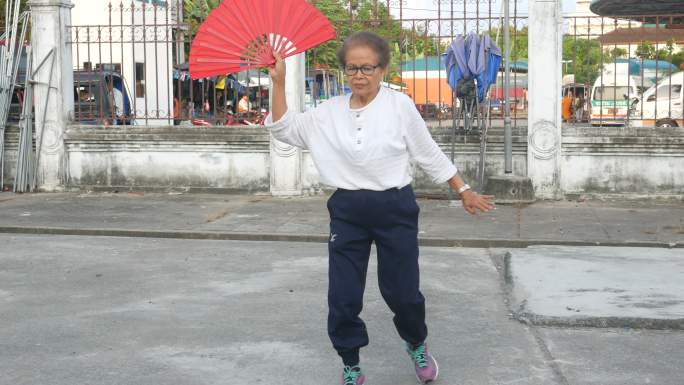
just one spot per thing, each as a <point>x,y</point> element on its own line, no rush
<point>358,142</point>
<point>358,129</point>
<point>358,115</point>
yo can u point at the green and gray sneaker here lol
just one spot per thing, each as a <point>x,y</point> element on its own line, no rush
<point>352,375</point>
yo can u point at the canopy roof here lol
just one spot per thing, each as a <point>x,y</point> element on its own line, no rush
<point>666,11</point>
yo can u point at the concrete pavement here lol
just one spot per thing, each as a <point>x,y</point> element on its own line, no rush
<point>114,310</point>
<point>213,216</point>
<point>598,286</point>
<point>131,306</point>
<point>108,310</point>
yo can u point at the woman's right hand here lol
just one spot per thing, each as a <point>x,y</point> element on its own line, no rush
<point>279,103</point>
<point>278,71</point>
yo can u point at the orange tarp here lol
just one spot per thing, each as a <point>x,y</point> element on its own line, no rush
<point>425,91</point>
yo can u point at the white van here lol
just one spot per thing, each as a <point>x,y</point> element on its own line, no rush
<point>611,95</point>
<point>661,105</point>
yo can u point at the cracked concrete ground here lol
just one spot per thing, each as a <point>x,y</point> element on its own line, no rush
<point>115,310</point>
<point>598,286</point>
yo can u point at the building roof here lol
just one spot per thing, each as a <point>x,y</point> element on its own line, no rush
<point>641,10</point>
<point>428,63</point>
<point>636,35</point>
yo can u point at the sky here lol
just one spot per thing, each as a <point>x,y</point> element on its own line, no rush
<point>413,9</point>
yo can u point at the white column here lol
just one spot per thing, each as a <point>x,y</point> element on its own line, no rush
<point>544,117</point>
<point>49,32</point>
<point>286,160</point>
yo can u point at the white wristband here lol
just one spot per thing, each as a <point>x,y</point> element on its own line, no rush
<point>463,188</point>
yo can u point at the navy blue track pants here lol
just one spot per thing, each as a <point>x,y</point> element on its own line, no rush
<point>357,219</point>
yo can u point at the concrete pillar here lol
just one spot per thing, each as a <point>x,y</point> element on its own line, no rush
<point>286,160</point>
<point>49,31</point>
<point>544,117</point>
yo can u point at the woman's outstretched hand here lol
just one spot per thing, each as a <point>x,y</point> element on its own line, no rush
<point>277,71</point>
<point>474,203</point>
<point>279,103</point>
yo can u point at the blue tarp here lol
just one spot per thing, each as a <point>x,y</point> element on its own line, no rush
<point>475,57</point>
<point>636,66</point>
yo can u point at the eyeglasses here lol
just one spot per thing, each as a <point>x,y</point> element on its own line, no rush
<point>366,70</point>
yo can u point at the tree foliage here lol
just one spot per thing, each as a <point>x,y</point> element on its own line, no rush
<point>616,53</point>
<point>519,42</point>
<point>3,5</point>
<point>364,15</point>
<point>645,50</point>
<point>586,56</point>
<point>196,11</point>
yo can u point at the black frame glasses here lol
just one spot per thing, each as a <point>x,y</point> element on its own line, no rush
<point>367,70</point>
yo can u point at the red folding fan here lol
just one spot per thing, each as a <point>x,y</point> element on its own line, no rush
<point>244,34</point>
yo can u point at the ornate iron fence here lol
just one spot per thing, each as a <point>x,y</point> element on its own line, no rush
<point>137,52</point>
<point>623,71</point>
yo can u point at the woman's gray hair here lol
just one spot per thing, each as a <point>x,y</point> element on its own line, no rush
<point>367,39</point>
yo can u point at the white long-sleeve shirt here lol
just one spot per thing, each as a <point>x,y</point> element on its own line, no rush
<point>368,148</point>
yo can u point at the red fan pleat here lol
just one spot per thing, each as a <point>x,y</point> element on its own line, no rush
<point>243,34</point>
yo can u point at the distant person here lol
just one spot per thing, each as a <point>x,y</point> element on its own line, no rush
<point>579,108</point>
<point>568,101</point>
<point>243,105</point>
<point>177,115</point>
<point>190,108</point>
<point>206,107</point>
<point>117,102</point>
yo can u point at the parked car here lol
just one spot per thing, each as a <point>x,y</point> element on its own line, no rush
<point>611,94</point>
<point>428,110</point>
<point>660,105</point>
<point>580,104</point>
<point>94,101</point>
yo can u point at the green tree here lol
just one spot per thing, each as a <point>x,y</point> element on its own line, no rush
<point>586,58</point>
<point>3,4</point>
<point>663,54</point>
<point>670,45</point>
<point>645,50</point>
<point>678,59</point>
<point>616,53</point>
<point>326,55</point>
<point>365,15</point>
<point>196,11</point>
<point>519,42</point>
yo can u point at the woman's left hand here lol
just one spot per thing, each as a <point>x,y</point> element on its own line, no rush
<point>473,202</point>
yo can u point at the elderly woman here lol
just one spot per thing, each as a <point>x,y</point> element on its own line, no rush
<point>362,144</point>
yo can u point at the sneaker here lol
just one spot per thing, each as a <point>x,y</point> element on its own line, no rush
<point>425,365</point>
<point>352,375</point>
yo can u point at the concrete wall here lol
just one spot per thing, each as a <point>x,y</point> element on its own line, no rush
<point>168,158</point>
<point>11,153</point>
<point>220,158</point>
<point>595,160</point>
<point>622,160</point>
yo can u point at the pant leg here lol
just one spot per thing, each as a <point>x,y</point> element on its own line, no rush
<point>349,249</point>
<point>396,240</point>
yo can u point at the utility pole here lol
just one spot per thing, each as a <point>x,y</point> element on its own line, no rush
<point>508,135</point>
<point>509,188</point>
